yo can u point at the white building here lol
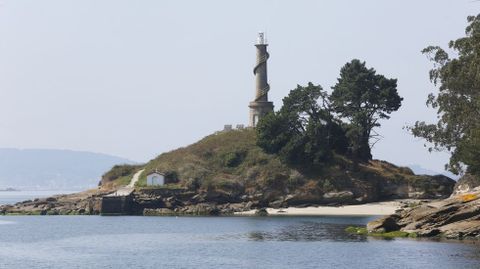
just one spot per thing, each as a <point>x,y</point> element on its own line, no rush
<point>155,179</point>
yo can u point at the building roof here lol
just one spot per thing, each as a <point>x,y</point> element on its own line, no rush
<point>156,172</point>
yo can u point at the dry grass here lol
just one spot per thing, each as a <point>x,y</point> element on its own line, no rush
<point>232,162</point>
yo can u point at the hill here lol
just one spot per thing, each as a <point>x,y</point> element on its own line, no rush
<point>227,172</point>
<point>230,167</point>
<point>419,170</point>
<point>53,169</point>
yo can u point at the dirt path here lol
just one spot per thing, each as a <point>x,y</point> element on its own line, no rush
<point>127,190</point>
<point>135,179</point>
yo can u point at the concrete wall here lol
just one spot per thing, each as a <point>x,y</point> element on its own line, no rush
<point>116,205</point>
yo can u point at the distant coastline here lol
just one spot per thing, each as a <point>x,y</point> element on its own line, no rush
<point>9,189</point>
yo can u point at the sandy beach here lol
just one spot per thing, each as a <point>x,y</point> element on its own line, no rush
<point>380,208</point>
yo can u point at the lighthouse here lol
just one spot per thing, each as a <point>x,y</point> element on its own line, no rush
<point>260,106</point>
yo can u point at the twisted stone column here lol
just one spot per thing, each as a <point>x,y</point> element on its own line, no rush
<point>260,106</point>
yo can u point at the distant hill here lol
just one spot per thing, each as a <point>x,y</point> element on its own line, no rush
<point>417,169</point>
<point>44,169</point>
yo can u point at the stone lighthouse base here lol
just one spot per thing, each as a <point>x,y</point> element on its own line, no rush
<point>258,110</point>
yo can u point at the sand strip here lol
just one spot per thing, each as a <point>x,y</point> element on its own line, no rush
<point>381,208</point>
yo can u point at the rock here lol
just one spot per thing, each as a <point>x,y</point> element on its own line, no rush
<point>172,202</point>
<point>199,198</point>
<point>158,212</point>
<point>431,187</point>
<point>248,205</point>
<point>338,197</point>
<point>231,208</point>
<point>276,204</point>
<point>303,197</point>
<point>222,197</point>
<point>262,212</point>
<point>456,217</point>
<point>270,196</point>
<point>384,225</point>
<point>52,212</point>
<point>466,184</point>
<point>203,209</point>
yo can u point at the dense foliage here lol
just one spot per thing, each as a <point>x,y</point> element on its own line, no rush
<point>363,97</point>
<point>231,163</point>
<point>457,102</point>
<point>308,130</point>
<point>303,131</point>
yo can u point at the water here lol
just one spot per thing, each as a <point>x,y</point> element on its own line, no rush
<point>214,242</point>
<point>12,197</point>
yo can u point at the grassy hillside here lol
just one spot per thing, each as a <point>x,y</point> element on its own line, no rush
<point>230,162</point>
<point>221,160</point>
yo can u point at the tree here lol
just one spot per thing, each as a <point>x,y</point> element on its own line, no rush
<point>363,97</point>
<point>303,131</point>
<point>457,102</point>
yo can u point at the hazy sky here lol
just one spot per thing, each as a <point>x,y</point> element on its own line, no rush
<point>137,78</point>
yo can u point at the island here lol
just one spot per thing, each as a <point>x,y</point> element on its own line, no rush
<point>314,152</point>
<point>227,173</point>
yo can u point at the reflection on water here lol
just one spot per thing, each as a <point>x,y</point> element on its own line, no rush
<point>57,242</point>
<point>308,231</point>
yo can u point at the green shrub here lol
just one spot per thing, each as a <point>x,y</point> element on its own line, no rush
<point>356,230</point>
<point>119,171</point>
<point>394,234</point>
<point>233,159</point>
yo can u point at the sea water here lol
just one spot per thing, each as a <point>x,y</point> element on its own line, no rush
<point>12,197</point>
<point>215,242</point>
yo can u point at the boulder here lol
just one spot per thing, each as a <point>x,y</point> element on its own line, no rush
<point>338,197</point>
<point>466,184</point>
<point>276,204</point>
<point>384,225</point>
<point>262,212</point>
<point>431,187</point>
<point>248,205</point>
<point>222,197</point>
<point>158,212</point>
<point>301,197</point>
<point>457,217</point>
<point>204,209</point>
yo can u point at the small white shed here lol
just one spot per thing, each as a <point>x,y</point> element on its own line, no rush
<point>155,179</point>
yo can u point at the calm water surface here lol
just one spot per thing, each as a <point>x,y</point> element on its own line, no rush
<point>214,242</point>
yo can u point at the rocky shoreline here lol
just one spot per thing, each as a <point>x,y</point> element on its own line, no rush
<point>82,203</point>
<point>457,217</point>
<point>166,202</point>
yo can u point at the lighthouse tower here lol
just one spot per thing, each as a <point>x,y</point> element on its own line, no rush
<point>260,106</point>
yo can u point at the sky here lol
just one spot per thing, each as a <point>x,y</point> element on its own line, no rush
<point>138,78</point>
